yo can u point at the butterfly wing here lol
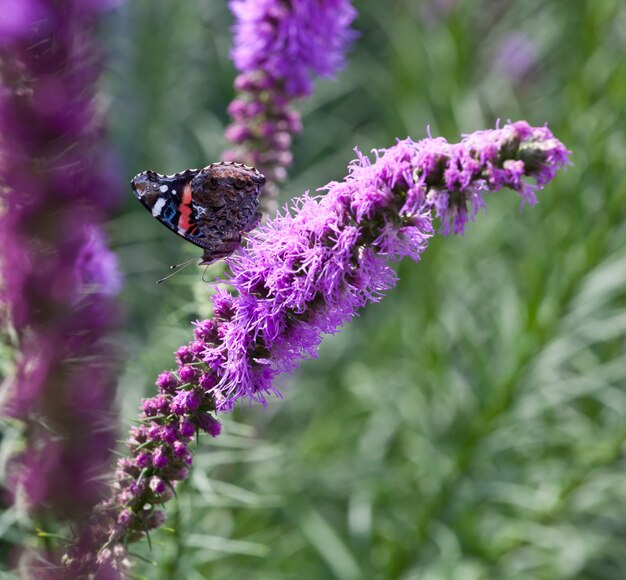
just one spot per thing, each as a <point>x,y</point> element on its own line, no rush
<point>209,207</point>
<point>169,199</point>
<point>225,202</point>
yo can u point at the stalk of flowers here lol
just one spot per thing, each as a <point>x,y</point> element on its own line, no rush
<point>305,273</point>
<point>58,276</point>
<point>279,47</point>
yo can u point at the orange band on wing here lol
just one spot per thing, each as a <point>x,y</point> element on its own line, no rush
<point>184,221</point>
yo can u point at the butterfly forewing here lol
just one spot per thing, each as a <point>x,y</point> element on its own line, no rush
<point>169,199</point>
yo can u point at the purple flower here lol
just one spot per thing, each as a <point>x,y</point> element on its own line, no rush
<point>292,42</point>
<point>126,517</point>
<point>97,267</point>
<point>516,56</point>
<point>187,429</point>
<point>157,485</point>
<point>279,48</point>
<point>205,331</point>
<point>155,520</point>
<point>59,278</point>
<point>184,355</point>
<point>180,449</point>
<point>18,19</point>
<point>209,424</point>
<point>187,374</point>
<point>307,272</point>
<point>169,433</point>
<point>143,460</point>
<point>185,401</point>
<point>207,381</point>
<point>197,347</point>
<point>156,406</point>
<point>167,382</point>
<point>160,458</point>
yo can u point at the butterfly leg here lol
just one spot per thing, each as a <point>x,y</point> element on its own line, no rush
<point>226,248</point>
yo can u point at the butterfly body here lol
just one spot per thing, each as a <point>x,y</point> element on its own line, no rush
<point>210,207</point>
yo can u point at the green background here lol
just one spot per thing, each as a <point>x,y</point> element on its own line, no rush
<point>469,426</point>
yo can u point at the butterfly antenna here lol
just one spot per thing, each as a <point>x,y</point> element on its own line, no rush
<point>204,274</point>
<point>178,268</point>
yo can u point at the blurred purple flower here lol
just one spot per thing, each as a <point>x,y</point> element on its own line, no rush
<point>292,42</point>
<point>516,56</point>
<point>19,19</point>
<point>304,274</point>
<point>97,267</point>
<point>279,48</point>
<point>58,275</point>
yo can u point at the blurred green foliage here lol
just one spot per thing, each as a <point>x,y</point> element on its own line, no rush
<point>471,425</point>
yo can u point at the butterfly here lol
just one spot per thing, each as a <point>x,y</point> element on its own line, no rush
<point>210,207</point>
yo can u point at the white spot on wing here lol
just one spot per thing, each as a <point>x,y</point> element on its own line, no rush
<point>157,207</point>
<point>163,188</point>
<point>198,210</point>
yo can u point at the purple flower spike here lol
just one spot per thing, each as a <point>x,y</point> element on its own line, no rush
<point>307,272</point>
<point>279,48</point>
<point>59,279</point>
<point>291,41</point>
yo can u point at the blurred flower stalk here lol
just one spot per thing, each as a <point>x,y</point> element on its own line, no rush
<point>59,278</point>
<point>305,273</point>
<point>279,47</point>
